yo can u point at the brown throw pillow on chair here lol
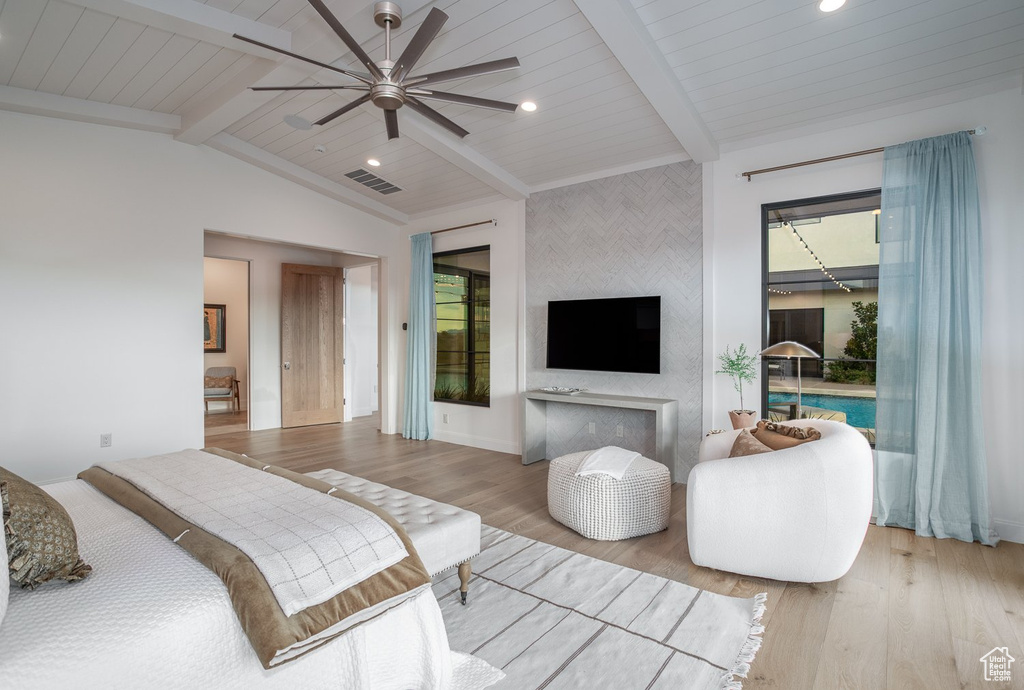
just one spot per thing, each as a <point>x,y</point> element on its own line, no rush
<point>218,382</point>
<point>746,444</point>
<point>41,541</point>
<point>782,436</point>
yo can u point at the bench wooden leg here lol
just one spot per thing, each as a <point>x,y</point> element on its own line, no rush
<point>465,571</point>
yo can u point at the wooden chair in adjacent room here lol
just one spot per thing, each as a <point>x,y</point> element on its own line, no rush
<point>220,384</point>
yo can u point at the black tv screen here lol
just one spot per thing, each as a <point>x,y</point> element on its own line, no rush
<point>618,334</point>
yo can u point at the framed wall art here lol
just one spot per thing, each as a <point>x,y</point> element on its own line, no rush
<point>213,328</point>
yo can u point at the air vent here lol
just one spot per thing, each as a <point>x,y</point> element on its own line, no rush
<point>375,183</point>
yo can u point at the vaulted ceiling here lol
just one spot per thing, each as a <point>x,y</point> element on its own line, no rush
<point>619,84</point>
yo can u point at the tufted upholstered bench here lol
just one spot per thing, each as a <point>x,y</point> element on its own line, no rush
<point>444,536</point>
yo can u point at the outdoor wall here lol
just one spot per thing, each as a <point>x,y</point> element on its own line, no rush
<point>838,306</point>
<point>1000,159</point>
<point>624,236</point>
<point>101,268</point>
<point>227,282</point>
<point>495,427</point>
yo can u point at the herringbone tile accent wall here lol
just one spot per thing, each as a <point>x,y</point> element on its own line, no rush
<point>623,236</point>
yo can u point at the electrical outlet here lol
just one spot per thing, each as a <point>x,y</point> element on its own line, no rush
<point>444,418</point>
<point>618,431</point>
<point>106,440</point>
<point>591,427</point>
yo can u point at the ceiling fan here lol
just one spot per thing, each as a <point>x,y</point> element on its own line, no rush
<point>387,83</point>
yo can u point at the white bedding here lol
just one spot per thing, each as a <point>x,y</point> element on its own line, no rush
<point>291,532</point>
<point>152,616</point>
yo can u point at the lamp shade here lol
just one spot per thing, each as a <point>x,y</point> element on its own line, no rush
<point>789,348</point>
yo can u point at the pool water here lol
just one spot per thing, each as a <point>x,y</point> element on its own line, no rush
<point>860,412</point>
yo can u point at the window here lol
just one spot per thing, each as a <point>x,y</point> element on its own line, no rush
<point>462,292</point>
<point>821,290</point>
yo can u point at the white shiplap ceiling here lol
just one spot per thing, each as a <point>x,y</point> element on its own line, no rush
<point>619,83</point>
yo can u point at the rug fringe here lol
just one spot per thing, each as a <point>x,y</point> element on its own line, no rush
<point>749,649</point>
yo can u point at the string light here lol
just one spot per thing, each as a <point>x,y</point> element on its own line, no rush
<point>779,292</point>
<point>814,256</point>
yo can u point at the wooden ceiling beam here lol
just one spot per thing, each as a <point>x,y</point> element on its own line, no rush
<point>459,154</point>
<point>625,34</point>
<point>68,108</point>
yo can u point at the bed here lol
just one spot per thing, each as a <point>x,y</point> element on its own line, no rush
<point>150,615</point>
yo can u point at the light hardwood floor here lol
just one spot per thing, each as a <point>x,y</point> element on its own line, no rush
<point>911,613</point>
<point>225,422</point>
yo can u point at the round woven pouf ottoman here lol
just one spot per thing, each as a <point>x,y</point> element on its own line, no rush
<point>601,507</point>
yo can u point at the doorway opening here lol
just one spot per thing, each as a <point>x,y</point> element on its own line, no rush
<point>362,368</point>
<point>226,345</point>
<point>279,379</point>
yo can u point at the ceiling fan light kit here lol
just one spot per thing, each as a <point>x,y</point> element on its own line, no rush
<point>388,83</point>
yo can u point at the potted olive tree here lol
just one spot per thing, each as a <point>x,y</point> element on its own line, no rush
<point>742,368</point>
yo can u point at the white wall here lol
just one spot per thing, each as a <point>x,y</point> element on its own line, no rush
<point>495,427</point>
<point>101,247</point>
<point>226,282</point>
<point>361,340</point>
<point>999,155</point>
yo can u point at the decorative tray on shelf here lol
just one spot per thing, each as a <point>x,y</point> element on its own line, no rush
<point>560,390</point>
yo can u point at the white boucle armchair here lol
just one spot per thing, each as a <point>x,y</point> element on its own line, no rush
<point>798,514</point>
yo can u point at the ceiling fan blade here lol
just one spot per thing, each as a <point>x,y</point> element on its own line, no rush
<point>466,100</point>
<point>347,39</point>
<point>414,51</point>
<point>365,78</point>
<point>436,117</point>
<point>344,109</point>
<point>391,122</point>
<point>463,72</point>
<point>357,87</point>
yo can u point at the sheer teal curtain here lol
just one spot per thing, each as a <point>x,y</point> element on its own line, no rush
<point>931,473</point>
<point>419,352</point>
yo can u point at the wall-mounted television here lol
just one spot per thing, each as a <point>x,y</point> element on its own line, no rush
<point>617,334</point>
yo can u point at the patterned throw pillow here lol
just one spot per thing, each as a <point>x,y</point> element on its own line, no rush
<point>782,436</point>
<point>218,382</point>
<point>39,535</point>
<point>746,444</point>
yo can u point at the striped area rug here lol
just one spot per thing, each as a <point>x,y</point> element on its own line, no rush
<point>553,618</point>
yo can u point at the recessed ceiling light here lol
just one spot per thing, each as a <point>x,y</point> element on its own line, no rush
<point>297,122</point>
<point>528,106</point>
<point>320,148</point>
<point>372,161</point>
<point>830,5</point>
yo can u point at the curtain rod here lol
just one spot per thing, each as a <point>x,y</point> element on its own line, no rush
<point>492,221</point>
<point>751,173</point>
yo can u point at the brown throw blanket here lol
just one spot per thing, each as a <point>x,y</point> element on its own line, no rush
<point>276,638</point>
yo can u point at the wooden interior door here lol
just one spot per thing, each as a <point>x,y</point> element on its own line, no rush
<point>312,345</point>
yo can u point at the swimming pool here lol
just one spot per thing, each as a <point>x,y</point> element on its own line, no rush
<point>860,412</point>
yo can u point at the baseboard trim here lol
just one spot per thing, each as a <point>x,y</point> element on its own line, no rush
<point>1009,531</point>
<point>494,444</point>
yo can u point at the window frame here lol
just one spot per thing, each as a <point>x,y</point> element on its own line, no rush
<point>471,302</point>
<point>766,210</point>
